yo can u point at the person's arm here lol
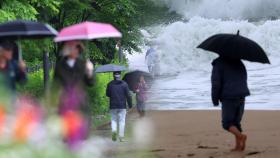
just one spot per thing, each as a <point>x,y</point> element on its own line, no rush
<point>216,80</point>
<point>128,96</point>
<point>89,74</point>
<point>136,89</point>
<point>21,74</point>
<point>108,90</point>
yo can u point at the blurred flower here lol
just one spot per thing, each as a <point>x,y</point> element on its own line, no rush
<point>2,118</point>
<point>74,128</point>
<point>28,116</point>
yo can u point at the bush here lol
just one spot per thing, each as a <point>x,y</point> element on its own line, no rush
<point>34,85</point>
<point>99,103</point>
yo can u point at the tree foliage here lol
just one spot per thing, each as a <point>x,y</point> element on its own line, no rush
<point>126,15</point>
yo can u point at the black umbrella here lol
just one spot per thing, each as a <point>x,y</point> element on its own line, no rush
<point>20,29</point>
<point>132,78</point>
<point>235,46</point>
<point>110,68</point>
<point>24,29</point>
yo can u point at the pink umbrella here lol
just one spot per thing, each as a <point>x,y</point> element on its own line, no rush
<point>87,31</point>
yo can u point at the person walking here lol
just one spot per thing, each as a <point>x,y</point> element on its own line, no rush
<point>229,86</point>
<point>11,71</point>
<point>119,94</point>
<point>141,96</point>
<point>72,75</point>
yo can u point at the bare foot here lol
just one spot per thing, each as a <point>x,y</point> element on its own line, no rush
<point>237,145</point>
<point>243,140</point>
<point>236,148</point>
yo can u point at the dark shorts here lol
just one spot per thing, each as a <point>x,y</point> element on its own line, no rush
<point>232,113</point>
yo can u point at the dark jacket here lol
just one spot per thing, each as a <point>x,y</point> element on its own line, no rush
<point>119,94</point>
<point>11,75</point>
<point>229,80</point>
<point>66,76</point>
<point>72,81</point>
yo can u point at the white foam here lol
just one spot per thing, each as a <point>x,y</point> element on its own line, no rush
<point>179,41</point>
<point>226,9</point>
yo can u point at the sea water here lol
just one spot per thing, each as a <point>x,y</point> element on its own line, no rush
<point>186,70</point>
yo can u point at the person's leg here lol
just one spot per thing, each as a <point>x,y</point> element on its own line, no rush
<point>114,124</point>
<point>150,68</point>
<point>143,108</point>
<point>140,108</point>
<point>228,120</point>
<point>122,117</point>
<point>240,112</point>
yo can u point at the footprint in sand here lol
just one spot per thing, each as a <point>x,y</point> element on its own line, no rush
<point>206,147</point>
<point>157,150</point>
<point>253,153</point>
<point>182,135</point>
<point>190,154</point>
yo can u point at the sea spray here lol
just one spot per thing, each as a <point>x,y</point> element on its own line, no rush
<point>179,41</point>
<point>226,9</point>
<point>186,70</point>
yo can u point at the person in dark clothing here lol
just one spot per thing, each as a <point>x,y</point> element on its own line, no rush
<point>118,92</point>
<point>11,71</point>
<point>71,76</point>
<point>229,86</point>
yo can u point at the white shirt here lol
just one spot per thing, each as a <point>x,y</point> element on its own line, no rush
<point>71,62</point>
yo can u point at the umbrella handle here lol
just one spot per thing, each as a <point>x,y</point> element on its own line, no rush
<point>19,51</point>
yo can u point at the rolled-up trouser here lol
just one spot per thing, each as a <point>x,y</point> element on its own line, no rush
<point>232,113</point>
<point>118,119</point>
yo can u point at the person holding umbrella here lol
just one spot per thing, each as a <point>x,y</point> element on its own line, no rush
<point>229,85</point>
<point>72,69</point>
<point>118,92</point>
<point>71,76</point>
<point>71,72</point>
<point>141,97</point>
<point>229,79</point>
<point>11,71</point>
<point>139,82</point>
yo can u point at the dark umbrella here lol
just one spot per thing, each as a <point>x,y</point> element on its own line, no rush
<point>235,46</point>
<point>110,68</point>
<point>132,78</point>
<point>22,29</point>
<point>26,29</point>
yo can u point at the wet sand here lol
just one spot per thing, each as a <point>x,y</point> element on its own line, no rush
<point>199,134</point>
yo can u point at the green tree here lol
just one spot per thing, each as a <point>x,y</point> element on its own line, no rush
<point>126,15</point>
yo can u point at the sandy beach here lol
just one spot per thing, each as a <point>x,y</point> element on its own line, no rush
<point>199,134</point>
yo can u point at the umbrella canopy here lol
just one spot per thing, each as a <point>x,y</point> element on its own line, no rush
<point>132,78</point>
<point>235,46</point>
<point>25,29</point>
<point>87,31</point>
<point>110,68</point>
